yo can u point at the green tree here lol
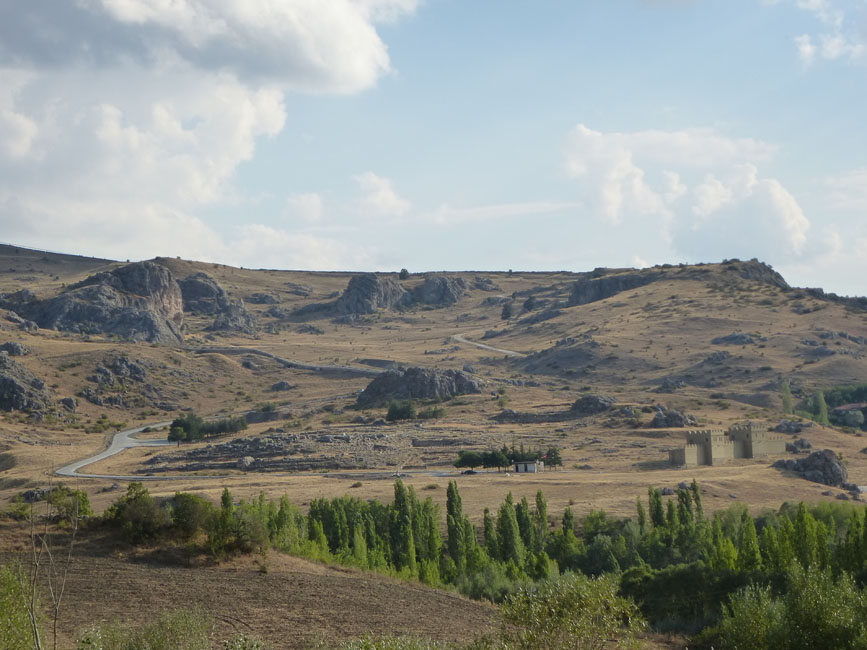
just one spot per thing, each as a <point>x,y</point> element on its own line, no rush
<point>540,521</point>
<point>657,511</point>
<point>469,459</point>
<point>820,408</point>
<point>403,275</point>
<point>749,556</point>
<point>506,313</point>
<point>20,625</point>
<point>786,393</point>
<point>509,534</point>
<point>572,611</point>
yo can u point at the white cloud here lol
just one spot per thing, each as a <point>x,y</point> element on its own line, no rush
<point>448,215</point>
<point>703,188</point>
<point>130,117</point>
<point>380,197</point>
<point>261,246</point>
<point>806,49</point>
<point>836,37</point>
<point>308,206</point>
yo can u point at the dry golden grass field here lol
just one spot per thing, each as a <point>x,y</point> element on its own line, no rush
<point>623,346</point>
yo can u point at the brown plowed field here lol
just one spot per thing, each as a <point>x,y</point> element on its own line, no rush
<point>294,605</point>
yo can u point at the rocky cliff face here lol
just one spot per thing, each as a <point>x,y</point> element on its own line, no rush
<point>595,289</point>
<point>203,295</point>
<point>368,293</point>
<point>20,390</point>
<point>417,383</point>
<point>139,301</point>
<point>439,290</point>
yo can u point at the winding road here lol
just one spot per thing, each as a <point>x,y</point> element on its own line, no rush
<point>121,441</point>
<point>127,439</point>
<point>509,353</point>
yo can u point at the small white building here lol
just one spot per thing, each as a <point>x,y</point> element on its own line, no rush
<point>529,466</point>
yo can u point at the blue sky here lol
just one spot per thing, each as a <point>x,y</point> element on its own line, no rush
<point>440,134</point>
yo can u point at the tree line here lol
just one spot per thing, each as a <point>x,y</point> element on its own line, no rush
<point>684,570</point>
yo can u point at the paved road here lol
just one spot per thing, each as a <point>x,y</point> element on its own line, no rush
<point>509,353</point>
<point>121,440</point>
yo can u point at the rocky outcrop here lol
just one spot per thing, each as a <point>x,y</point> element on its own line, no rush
<point>793,426</point>
<point>735,338</point>
<point>823,467</point>
<point>139,301</point>
<point>235,318</point>
<point>595,289</point>
<point>417,383</point>
<point>203,295</point>
<point>368,293</point>
<point>591,404</point>
<point>14,349</point>
<point>259,298</point>
<point>439,291</point>
<point>665,418</point>
<point>20,390</point>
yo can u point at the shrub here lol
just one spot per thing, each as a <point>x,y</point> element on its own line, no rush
<point>572,611</point>
<point>185,629</point>
<point>400,410</point>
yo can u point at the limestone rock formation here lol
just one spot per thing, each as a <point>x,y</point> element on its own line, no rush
<point>823,467</point>
<point>203,295</point>
<point>671,419</point>
<point>592,404</point>
<point>235,318</point>
<point>20,390</point>
<point>368,293</point>
<point>439,290</point>
<point>139,301</point>
<point>417,383</point>
<point>595,289</point>
<point>14,349</point>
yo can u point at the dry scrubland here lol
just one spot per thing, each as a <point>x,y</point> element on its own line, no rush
<point>623,346</point>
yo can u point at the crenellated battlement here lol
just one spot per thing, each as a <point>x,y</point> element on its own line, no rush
<point>714,446</point>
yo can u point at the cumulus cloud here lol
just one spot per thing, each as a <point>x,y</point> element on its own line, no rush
<point>836,37</point>
<point>704,189</point>
<point>448,215</point>
<point>283,249</point>
<point>379,197</point>
<point>131,117</point>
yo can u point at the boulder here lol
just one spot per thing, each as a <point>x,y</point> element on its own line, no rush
<point>203,295</point>
<point>14,349</point>
<point>281,386</point>
<point>718,357</point>
<point>669,419</point>
<point>259,298</point>
<point>417,383</point>
<point>439,290</point>
<point>69,403</point>
<point>20,390</point>
<point>670,384</point>
<point>823,467</point>
<point>139,301</point>
<point>235,318</point>
<point>368,293</point>
<point>591,404</point>
<point>792,426</point>
<point>735,338</point>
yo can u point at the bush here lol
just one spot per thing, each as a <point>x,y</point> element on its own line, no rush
<point>179,630</point>
<point>400,410</point>
<point>15,629</point>
<point>403,275</point>
<point>572,611</point>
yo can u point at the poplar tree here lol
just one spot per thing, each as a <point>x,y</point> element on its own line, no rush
<point>749,556</point>
<point>657,512</point>
<point>492,545</point>
<point>540,518</point>
<point>508,533</point>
